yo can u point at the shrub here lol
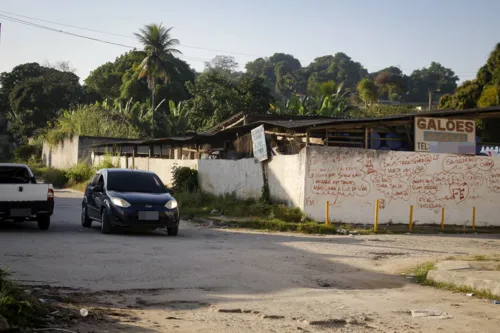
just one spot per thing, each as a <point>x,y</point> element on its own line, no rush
<point>27,153</point>
<point>287,214</point>
<point>107,163</point>
<point>18,308</point>
<point>56,177</point>
<point>185,179</point>
<point>82,172</point>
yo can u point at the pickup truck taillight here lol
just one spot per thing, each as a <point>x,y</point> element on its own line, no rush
<point>50,194</point>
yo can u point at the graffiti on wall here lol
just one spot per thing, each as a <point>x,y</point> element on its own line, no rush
<point>431,180</point>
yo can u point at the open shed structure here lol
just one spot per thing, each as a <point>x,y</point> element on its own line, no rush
<point>289,134</point>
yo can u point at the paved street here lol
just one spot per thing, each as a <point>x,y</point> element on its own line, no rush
<point>283,281</point>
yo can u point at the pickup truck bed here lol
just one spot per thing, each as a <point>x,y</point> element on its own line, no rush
<point>22,199</point>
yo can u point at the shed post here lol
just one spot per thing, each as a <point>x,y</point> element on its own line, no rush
<point>308,134</point>
<point>134,153</point>
<point>366,137</point>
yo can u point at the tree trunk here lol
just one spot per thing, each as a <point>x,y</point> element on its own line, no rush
<point>153,113</point>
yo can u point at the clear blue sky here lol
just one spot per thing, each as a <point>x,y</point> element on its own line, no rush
<point>378,33</point>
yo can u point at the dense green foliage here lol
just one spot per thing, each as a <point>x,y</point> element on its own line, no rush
<point>185,179</point>
<point>16,306</point>
<point>482,92</point>
<point>32,95</point>
<point>152,93</point>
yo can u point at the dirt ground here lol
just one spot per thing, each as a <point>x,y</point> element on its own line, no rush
<point>218,280</point>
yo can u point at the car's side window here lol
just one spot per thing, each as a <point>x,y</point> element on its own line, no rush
<point>100,180</point>
<point>93,182</point>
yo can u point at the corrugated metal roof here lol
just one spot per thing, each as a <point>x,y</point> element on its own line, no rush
<point>302,124</point>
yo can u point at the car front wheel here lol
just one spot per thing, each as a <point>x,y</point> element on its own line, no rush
<point>105,223</point>
<point>86,222</point>
<point>173,231</point>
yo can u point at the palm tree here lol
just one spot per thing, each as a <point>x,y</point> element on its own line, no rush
<point>158,63</point>
<point>368,91</point>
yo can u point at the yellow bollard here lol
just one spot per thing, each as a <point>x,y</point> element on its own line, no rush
<point>327,213</point>
<point>473,218</point>
<point>442,219</point>
<point>410,225</point>
<point>375,222</point>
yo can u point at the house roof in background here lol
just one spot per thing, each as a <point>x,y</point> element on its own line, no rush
<point>301,123</point>
<point>253,117</point>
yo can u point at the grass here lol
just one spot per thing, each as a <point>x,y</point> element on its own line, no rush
<point>15,305</point>
<point>249,213</point>
<point>280,226</point>
<point>461,289</point>
<point>419,274</point>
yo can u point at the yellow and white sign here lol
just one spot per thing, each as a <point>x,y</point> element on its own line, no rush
<point>444,135</point>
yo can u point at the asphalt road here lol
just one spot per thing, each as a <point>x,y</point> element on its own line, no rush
<point>287,274</point>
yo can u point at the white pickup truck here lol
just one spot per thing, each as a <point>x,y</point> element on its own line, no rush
<point>22,199</point>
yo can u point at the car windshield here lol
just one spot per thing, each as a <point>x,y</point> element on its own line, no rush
<point>14,175</point>
<point>126,181</point>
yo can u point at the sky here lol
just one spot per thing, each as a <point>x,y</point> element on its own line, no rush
<point>459,34</point>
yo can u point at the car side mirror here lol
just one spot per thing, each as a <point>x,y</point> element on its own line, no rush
<point>97,188</point>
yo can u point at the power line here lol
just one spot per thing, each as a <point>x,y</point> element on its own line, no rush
<point>35,25</point>
<point>12,19</point>
<point>124,36</point>
<point>65,25</point>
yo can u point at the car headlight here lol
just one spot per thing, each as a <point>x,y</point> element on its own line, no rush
<point>120,202</point>
<point>171,204</point>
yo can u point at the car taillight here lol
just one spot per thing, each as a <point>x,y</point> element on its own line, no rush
<point>50,194</point>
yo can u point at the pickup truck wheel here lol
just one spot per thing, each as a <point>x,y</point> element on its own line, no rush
<point>43,222</point>
<point>86,222</point>
<point>173,231</point>
<point>105,223</point>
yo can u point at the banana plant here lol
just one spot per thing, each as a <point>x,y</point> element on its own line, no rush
<point>177,121</point>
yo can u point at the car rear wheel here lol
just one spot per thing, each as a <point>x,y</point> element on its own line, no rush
<point>43,222</point>
<point>86,222</point>
<point>173,231</point>
<point>105,223</point>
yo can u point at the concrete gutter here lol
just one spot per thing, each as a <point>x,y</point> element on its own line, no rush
<point>479,276</point>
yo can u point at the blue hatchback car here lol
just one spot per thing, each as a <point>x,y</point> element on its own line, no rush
<point>133,199</point>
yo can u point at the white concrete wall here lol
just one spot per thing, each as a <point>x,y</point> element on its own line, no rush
<point>162,167</point>
<point>286,178</point>
<point>352,179</point>
<point>242,177</point>
<point>61,156</point>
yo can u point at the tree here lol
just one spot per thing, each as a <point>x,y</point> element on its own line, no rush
<point>34,95</point>
<point>489,97</point>
<point>367,91</point>
<point>216,97</point>
<point>465,97</point>
<point>137,88</point>
<point>157,64</point>
<point>107,79</point>
<point>225,64</point>
<point>431,81</point>
<point>391,85</point>
<point>282,72</point>
<point>255,96</point>
<point>338,68</point>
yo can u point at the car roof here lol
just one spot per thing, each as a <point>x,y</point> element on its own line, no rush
<point>113,170</point>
